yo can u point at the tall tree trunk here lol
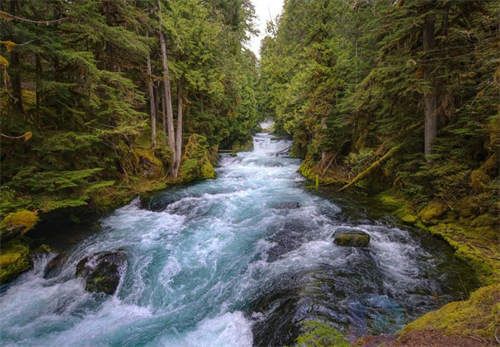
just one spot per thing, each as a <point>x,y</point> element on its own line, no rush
<point>152,103</point>
<point>167,92</point>
<point>163,113</point>
<point>430,98</point>
<point>178,140</point>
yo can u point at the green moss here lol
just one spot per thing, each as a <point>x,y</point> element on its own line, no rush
<point>432,211</point>
<point>352,239</point>
<point>475,317</point>
<point>207,170</point>
<point>197,160</point>
<point>476,245</point>
<point>14,259</point>
<point>319,334</point>
<point>399,206</point>
<point>17,223</point>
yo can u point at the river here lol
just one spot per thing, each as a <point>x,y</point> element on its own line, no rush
<point>236,261</point>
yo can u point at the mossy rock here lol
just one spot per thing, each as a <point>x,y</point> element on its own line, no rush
<point>352,238</point>
<point>475,317</point>
<point>319,334</point>
<point>14,260</point>
<point>17,223</point>
<point>102,271</point>
<point>432,211</point>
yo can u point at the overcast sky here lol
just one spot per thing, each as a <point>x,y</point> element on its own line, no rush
<point>264,11</point>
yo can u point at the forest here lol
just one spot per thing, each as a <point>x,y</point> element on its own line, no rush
<point>392,102</point>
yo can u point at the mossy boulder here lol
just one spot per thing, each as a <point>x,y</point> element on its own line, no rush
<point>475,317</point>
<point>102,271</point>
<point>14,259</point>
<point>432,211</point>
<point>352,238</point>
<point>197,160</point>
<point>17,223</point>
<point>319,334</point>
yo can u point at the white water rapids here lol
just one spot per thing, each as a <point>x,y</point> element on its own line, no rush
<point>234,261</point>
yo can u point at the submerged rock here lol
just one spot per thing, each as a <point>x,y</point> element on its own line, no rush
<point>352,238</point>
<point>102,271</point>
<point>285,205</point>
<point>54,266</point>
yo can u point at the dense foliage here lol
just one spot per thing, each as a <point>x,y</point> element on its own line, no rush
<point>75,109</point>
<point>353,82</point>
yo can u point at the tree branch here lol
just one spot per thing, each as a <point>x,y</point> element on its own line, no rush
<point>8,17</point>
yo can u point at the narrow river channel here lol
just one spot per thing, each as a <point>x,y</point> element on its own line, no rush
<point>236,261</point>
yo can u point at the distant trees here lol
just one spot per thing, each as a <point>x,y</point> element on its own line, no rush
<point>105,77</point>
<point>351,80</point>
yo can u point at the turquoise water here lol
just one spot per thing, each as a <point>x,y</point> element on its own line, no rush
<point>236,261</point>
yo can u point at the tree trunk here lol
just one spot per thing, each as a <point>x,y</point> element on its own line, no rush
<point>152,103</point>
<point>430,98</point>
<point>167,93</point>
<point>163,113</point>
<point>178,140</point>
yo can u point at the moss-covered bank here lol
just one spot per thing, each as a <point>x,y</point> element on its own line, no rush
<point>472,232</point>
<point>146,172</point>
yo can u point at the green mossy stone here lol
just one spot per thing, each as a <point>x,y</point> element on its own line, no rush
<point>14,260</point>
<point>432,211</point>
<point>473,317</point>
<point>319,334</point>
<point>409,218</point>
<point>352,239</point>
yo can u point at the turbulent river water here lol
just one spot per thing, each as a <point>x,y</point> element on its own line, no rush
<point>236,261</point>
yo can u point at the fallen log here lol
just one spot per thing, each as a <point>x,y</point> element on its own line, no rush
<point>372,167</point>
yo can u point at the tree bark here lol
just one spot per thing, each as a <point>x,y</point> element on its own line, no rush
<point>167,92</point>
<point>178,140</point>
<point>163,113</point>
<point>430,98</point>
<point>152,103</point>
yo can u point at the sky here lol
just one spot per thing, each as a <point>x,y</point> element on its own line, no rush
<point>264,11</point>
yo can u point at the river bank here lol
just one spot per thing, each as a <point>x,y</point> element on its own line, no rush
<point>23,231</point>
<point>249,254</point>
<point>469,322</point>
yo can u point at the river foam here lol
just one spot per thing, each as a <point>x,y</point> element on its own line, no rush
<point>236,261</point>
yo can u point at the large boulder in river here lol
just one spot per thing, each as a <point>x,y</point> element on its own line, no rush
<point>102,271</point>
<point>352,238</point>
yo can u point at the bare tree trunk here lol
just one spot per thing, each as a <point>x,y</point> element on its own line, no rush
<point>164,113</point>
<point>178,140</point>
<point>430,98</point>
<point>167,92</point>
<point>152,103</point>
